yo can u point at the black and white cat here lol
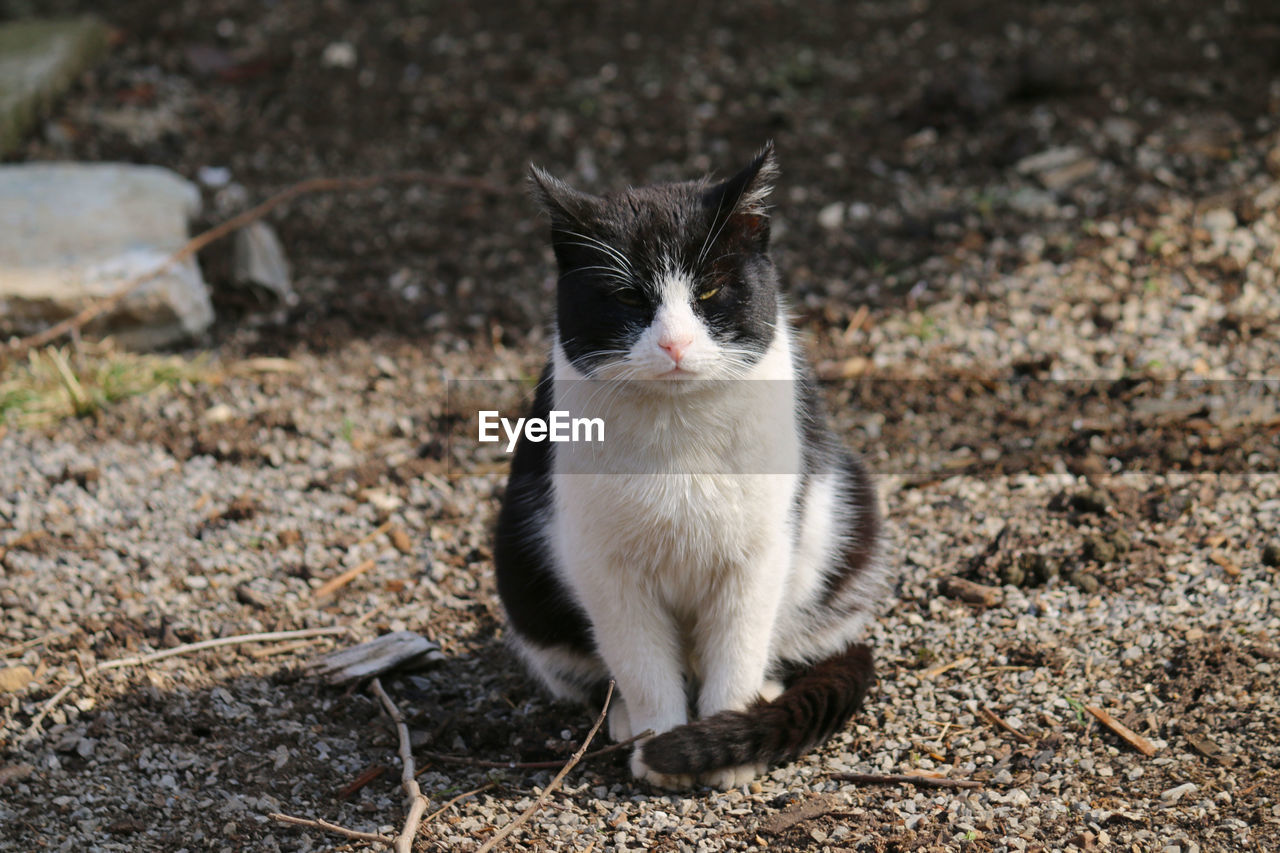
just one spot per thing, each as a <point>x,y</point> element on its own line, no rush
<point>718,554</point>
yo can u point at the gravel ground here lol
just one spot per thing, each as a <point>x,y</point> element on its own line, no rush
<point>1034,252</point>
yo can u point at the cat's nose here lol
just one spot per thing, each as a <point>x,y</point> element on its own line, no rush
<point>675,347</point>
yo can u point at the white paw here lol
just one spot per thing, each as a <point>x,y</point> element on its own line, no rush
<point>662,780</point>
<point>619,721</point>
<point>727,778</point>
<point>771,690</point>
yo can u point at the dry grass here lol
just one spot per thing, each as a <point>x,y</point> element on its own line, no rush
<point>53,383</point>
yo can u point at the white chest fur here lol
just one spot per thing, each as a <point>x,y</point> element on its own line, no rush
<point>689,484</point>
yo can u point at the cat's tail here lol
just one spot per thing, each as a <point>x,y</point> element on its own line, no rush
<point>814,706</point>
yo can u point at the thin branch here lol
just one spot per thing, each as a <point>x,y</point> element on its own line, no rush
<point>331,827</point>
<point>339,581</point>
<point>1127,734</point>
<point>142,660</point>
<point>417,801</point>
<point>26,644</point>
<point>195,244</point>
<point>511,827</point>
<point>530,765</point>
<point>54,701</point>
<point>1001,723</point>
<point>435,814</point>
<point>241,639</point>
<point>905,779</point>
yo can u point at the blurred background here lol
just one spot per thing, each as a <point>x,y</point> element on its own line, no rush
<point>907,133</point>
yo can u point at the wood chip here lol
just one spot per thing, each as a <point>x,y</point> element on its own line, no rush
<point>15,678</point>
<point>336,583</point>
<point>397,650</point>
<point>798,813</point>
<point>15,772</point>
<point>400,540</point>
<point>1205,746</point>
<point>905,779</point>
<point>1228,567</point>
<point>1126,734</point>
<point>934,672</point>
<point>999,722</point>
<point>970,592</point>
<point>363,779</point>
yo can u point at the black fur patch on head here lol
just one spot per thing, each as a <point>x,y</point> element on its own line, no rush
<point>612,251</point>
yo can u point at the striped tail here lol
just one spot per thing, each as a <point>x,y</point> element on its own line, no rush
<point>815,706</point>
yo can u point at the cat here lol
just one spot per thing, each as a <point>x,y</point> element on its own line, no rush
<point>719,554</point>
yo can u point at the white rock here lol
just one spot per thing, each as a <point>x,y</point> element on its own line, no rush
<point>339,54</point>
<point>260,262</point>
<point>214,177</point>
<point>1218,220</point>
<point>1174,794</point>
<point>219,414</point>
<point>831,217</point>
<point>1120,130</point>
<point>71,234</point>
<point>1053,158</point>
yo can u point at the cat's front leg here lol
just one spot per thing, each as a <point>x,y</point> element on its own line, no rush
<point>639,643</point>
<point>732,641</point>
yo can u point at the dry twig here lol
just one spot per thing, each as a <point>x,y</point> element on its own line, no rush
<point>142,660</point>
<point>1127,734</point>
<point>511,827</point>
<point>454,801</point>
<point>339,581</point>
<point>905,779</point>
<point>417,800</point>
<point>999,722</point>
<point>331,827</point>
<point>195,244</point>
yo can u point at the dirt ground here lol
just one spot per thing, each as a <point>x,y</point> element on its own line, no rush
<point>1059,366</point>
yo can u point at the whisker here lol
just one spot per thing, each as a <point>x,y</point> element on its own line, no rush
<point>593,242</point>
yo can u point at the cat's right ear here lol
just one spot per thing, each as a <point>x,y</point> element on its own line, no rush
<point>566,206</point>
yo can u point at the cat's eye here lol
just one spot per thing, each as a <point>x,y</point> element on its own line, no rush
<point>629,298</point>
<point>708,293</point>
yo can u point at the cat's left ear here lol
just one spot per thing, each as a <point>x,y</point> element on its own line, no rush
<point>567,207</point>
<point>741,202</point>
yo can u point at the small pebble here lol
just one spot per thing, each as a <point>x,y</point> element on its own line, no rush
<point>1174,794</point>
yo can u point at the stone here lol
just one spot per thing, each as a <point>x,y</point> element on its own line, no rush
<point>1033,202</point>
<point>260,263</point>
<point>73,233</point>
<point>1218,221</point>
<point>831,217</point>
<point>1099,549</point>
<point>1058,168</point>
<point>1172,795</point>
<point>1120,130</point>
<point>39,60</point>
<point>1053,158</point>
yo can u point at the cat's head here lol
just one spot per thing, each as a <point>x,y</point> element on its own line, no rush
<point>671,281</point>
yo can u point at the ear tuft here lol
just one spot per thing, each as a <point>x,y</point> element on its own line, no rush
<point>564,204</point>
<point>765,172</point>
<point>748,191</point>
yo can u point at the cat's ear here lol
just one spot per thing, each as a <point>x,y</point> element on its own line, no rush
<point>566,206</point>
<point>739,206</point>
<point>748,191</point>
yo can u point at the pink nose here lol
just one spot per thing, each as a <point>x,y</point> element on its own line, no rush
<point>675,347</point>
